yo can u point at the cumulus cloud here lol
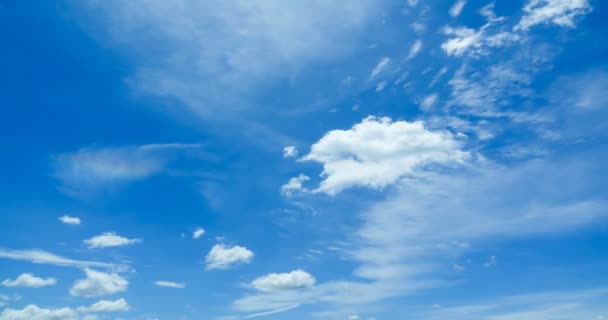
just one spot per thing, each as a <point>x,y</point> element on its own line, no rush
<point>29,280</point>
<point>415,49</point>
<point>69,220</point>
<point>107,306</point>
<point>199,232</point>
<point>170,284</point>
<point>110,239</point>
<point>559,12</point>
<point>34,312</point>
<point>284,281</point>
<point>224,257</point>
<point>294,185</point>
<point>290,152</point>
<point>378,152</point>
<point>44,257</point>
<point>456,9</point>
<point>99,283</point>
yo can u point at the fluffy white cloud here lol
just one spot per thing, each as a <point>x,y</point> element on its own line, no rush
<point>99,283</point>
<point>290,152</point>
<point>378,152</point>
<point>294,185</point>
<point>33,312</point>
<point>44,257</point>
<point>106,306</point>
<point>69,219</point>
<point>283,281</point>
<point>456,9</point>
<point>199,232</point>
<point>415,49</point>
<point>170,284</point>
<point>110,239</point>
<point>560,12</point>
<point>223,257</point>
<point>28,280</point>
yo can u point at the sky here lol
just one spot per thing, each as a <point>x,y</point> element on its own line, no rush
<point>304,159</point>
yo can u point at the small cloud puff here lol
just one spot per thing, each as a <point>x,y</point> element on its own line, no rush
<point>223,257</point>
<point>199,232</point>
<point>170,284</point>
<point>69,220</point>
<point>290,152</point>
<point>109,239</point>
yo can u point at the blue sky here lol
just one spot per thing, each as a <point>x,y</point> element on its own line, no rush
<point>370,160</point>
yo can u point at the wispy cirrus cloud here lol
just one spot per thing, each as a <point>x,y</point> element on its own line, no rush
<point>44,257</point>
<point>91,169</point>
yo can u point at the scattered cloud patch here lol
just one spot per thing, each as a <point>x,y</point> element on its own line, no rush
<point>294,185</point>
<point>378,152</point>
<point>415,49</point>
<point>429,101</point>
<point>559,12</point>
<point>170,284</point>
<point>224,257</point>
<point>99,283</point>
<point>380,67</point>
<point>456,9</point>
<point>107,306</point>
<point>44,257</point>
<point>110,239</point>
<point>34,312</point>
<point>290,152</point>
<point>28,280</point>
<point>284,281</point>
<point>199,232</point>
<point>69,220</point>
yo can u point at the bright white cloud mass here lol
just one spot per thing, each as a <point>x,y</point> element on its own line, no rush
<point>284,281</point>
<point>378,152</point>
<point>98,284</point>
<point>385,160</point>
<point>224,257</point>
<point>29,280</point>
<point>109,239</point>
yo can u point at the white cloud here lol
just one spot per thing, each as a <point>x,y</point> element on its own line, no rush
<point>380,67</point>
<point>415,49</point>
<point>354,317</point>
<point>294,185</point>
<point>28,280</point>
<point>559,12</point>
<point>99,283</point>
<point>284,281</point>
<point>110,239</point>
<point>381,85</point>
<point>413,3</point>
<point>456,9</point>
<point>69,220</point>
<point>491,262</point>
<point>199,232</point>
<point>106,306</point>
<point>251,43</point>
<point>290,152</point>
<point>223,257</point>
<point>476,41</point>
<point>170,284</point>
<point>429,101</point>
<point>33,312</point>
<point>92,168</point>
<point>43,257</point>
<point>378,152</point>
